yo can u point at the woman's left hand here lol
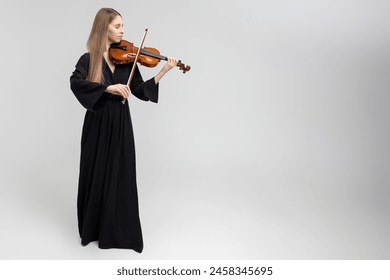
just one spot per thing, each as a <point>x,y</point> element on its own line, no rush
<point>171,63</point>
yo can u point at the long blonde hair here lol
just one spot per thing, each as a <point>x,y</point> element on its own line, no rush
<point>97,43</point>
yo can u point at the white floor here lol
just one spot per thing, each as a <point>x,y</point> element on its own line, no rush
<point>38,221</point>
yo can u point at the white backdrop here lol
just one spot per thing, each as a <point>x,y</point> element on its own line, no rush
<point>274,145</point>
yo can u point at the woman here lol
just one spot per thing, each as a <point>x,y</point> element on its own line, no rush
<point>107,201</point>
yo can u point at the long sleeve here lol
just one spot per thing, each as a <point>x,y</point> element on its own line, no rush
<point>147,90</point>
<point>91,95</point>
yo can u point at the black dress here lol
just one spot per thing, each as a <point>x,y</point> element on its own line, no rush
<point>107,201</point>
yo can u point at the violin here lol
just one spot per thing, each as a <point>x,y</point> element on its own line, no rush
<point>125,52</point>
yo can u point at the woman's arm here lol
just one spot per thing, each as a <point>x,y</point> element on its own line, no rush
<point>171,63</point>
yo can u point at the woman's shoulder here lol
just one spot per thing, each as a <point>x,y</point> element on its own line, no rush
<point>84,57</point>
<point>83,61</point>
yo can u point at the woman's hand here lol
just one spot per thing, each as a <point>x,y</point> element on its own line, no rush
<point>119,89</point>
<point>171,63</point>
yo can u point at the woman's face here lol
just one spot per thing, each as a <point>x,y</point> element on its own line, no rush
<point>115,30</point>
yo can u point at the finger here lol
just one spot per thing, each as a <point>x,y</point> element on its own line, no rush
<point>124,90</point>
<point>123,93</point>
<point>173,60</point>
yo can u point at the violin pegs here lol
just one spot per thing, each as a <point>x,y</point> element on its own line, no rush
<point>183,67</point>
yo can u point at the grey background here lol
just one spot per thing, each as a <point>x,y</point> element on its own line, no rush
<point>274,145</point>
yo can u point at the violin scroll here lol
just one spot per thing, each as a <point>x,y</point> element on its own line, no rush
<point>183,67</point>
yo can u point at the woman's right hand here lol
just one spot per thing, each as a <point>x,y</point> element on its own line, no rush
<point>119,89</point>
